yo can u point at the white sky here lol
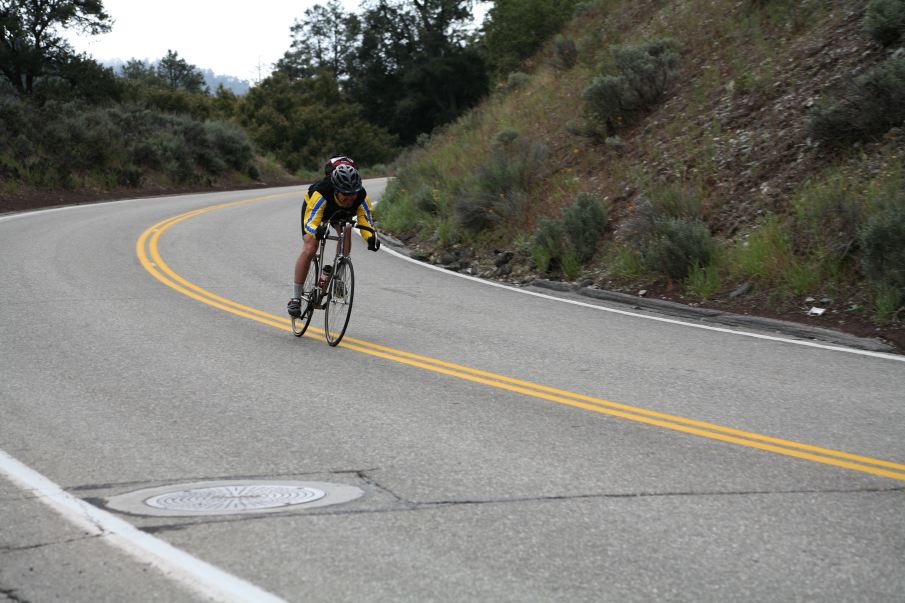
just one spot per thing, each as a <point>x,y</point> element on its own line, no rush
<point>231,37</point>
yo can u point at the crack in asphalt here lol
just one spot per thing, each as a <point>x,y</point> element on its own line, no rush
<point>10,594</point>
<point>6,550</point>
<point>408,506</point>
<point>372,481</point>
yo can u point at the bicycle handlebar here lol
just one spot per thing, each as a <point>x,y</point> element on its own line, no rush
<point>342,217</point>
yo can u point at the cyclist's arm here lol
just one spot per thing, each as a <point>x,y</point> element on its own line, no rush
<point>315,213</point>
<point>364,218</point>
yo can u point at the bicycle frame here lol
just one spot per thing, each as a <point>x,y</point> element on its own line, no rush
<point>321,294</point>
<point>343,225</point>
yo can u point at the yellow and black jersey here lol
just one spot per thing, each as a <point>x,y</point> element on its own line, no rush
<point>320,204</point>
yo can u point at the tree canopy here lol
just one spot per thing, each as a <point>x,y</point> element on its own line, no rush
<point>516,29</point>
<point>324,40</point>
<point>410,65</point>
<point>304,121</point>
<point>31,41</point>
<point>179,75</point>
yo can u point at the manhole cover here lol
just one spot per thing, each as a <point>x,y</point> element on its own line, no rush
<point>243,497</point>
<point>232,497</point>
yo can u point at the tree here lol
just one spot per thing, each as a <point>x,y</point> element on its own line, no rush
<point>179,75</point>
<point>225,103</point>
<point>79,76</point>
<point>516,29</point>
<point>304,122</point>
<point>417,66</point>
<point>326,39</point>
<point>31,42</point>
<point>135,70</point>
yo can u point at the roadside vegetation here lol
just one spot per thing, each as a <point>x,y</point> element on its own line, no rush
<point>706,151</point>
<point>388,74</point>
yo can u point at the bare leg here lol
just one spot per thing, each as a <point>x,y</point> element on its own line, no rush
<point>347,243</point>
<point>309,248</point>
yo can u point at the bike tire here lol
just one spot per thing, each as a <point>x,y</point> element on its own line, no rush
<point>339,304</point>
<point>300,324</point>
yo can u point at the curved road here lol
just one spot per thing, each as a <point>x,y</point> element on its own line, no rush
<point>507,446</point>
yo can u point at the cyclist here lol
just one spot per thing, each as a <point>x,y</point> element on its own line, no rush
<point>340,195</point>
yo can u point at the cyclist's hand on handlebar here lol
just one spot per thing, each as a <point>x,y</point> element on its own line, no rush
<point>373,243</point>
<point>321,232</point>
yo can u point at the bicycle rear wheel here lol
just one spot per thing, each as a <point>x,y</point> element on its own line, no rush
<point>300,324</point>
<point>339,306</point>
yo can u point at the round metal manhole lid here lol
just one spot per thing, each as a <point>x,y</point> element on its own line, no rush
<point>232,497</point>
<point>241,497</point>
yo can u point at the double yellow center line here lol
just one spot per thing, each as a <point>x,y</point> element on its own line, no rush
<point>149,255</point>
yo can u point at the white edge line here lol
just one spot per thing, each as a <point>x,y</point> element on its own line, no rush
<point>192,573</point>
<point>811,344</point>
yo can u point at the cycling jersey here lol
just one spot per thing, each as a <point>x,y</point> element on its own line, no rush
<point>320,204</point>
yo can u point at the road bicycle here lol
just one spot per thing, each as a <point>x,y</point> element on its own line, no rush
<point>330,287</point>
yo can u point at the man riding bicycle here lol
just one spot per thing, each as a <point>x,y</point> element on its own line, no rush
<point>341,195</point>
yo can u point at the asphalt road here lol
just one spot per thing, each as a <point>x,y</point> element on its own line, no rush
<point>507,446</point>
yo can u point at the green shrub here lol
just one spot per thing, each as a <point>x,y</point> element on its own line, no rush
<point>517,80</point>
<point>505,137</point>
<point>571,265</point>
<point>446,232</point>
<point>678,246</point>
<point>827,218</point>
<point>565,53</point>
<point>425,200</point>
<point>174,155</point>
<point>885,20</point>
<point>229,143</point>
<point>547,249</point>
<point>498,190</point>
<point>609,100</point>
<point>872,104</point>
<point>641,77</point>
<point>703,281</point>
<point>889,303</point>
<point>883,244</point>
<point>624,262</point>
<point>767,256</point>
<point>676,201</point>
<point>802,276</point>
<point>479,210</point>
<point>568,242</point>
<point>764,254</point>
<point>650,68</point>
<point>584,222</point>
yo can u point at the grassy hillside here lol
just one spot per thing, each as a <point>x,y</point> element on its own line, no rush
<point>687,148</point>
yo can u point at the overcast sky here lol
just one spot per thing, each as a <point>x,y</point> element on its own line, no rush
<point>231,37</point>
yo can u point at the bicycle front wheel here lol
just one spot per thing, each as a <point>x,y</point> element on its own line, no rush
<point>300,324</point>
<point>339,307</point>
